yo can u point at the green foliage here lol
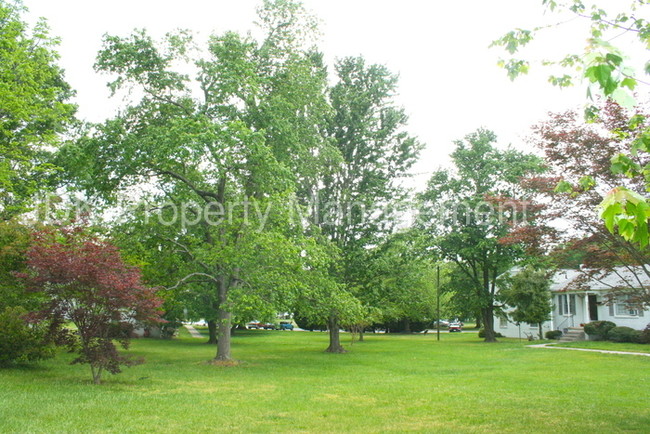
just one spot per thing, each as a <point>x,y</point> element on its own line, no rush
<point>553,334</point>
<point>599,330</point>
<point>34,108</point>
<point>401,282</point>
<point>353,191</point>
<point>14,242</point>
<point>607,70</point>
<point>627,212</point>
<point>623,210</point>
<point>234,158</point>
<point>644,335</point>
<point>21,341</point>
<point>603,64</point>
<point>528,292</point>
<point>623,334</point>
<point>467,212</point>
<point>462,302</point>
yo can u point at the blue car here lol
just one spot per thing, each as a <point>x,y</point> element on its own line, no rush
<point>285,325</point>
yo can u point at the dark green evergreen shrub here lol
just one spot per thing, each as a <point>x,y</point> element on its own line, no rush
<point>598,330</point>
<point>644,336</point>
<point>623,334</point>
<point>553,334</point>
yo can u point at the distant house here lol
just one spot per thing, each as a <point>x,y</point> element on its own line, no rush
<point>580,297</point>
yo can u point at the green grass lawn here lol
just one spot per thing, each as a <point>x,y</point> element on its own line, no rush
<point>286,383</point>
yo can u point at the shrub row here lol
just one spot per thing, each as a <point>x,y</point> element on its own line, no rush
<point>608,331</point>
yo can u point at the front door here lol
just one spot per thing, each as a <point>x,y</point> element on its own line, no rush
<point>593,307</point>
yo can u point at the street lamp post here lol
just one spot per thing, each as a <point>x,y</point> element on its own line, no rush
<point>438,299</point>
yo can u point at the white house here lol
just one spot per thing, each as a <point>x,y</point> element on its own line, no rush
<point>580,297</point>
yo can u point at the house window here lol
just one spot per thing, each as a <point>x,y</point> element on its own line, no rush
<point>622,308</point>
<point>503,322</point>
<point>534,325</point>
<point>566,304</point>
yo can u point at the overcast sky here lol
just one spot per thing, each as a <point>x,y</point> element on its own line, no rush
<point>449,82</point>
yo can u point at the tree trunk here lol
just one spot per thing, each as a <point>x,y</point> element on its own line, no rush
<point>223,335</point>
<point>224,323</point>
<point>212,332</point>
<point>407,325</point>
<point>335,340</point>
<point>361,334</point>
<point>488,324</point>
<point>541,333</point>
<point>97,374</point>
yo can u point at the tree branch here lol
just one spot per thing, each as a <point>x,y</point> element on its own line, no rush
<point>183,281</point>
<point>203,193</point>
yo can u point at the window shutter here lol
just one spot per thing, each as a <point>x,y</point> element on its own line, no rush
<point>611,310</point>
<point>640,311</point>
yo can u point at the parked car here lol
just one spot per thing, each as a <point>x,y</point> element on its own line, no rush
<point>443,323</point>
<point>455,327</point>
<point>268,326</point>
<point>254,325</point>
<point>286,325</point>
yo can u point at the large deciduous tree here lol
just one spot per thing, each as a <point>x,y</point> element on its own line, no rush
<point>219,152</point>
<point>84,281</point>
<point>464,213</point>
<point>578,156</point>
<point>34,108</point>
<point>362,174</point>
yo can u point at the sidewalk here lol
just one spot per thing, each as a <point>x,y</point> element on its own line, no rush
<point>553,347</point>
<point>193,331</point>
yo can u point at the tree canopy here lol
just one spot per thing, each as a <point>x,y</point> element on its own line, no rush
<point>467,211</point>
<point>35,108</point>
<point>528,293</point>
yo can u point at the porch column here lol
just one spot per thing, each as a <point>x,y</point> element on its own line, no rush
<point>585,315</point>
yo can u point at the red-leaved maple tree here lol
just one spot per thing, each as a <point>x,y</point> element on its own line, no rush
<point>84,281</point>
<point>564,219</point>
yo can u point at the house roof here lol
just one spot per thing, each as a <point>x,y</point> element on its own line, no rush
<point>599,280</point>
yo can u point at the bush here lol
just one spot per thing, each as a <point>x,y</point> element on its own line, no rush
<point>623,334</point>
<point>404,326</point>
<point>644,336</point>
<point>598,330</point>
<point>481,334</point>
<point>553,334</point>
<point>21,342</point>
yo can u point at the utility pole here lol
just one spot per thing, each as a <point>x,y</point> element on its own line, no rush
<point>438,298</point>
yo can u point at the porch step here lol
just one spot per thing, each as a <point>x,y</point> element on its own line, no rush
<point>573,334</point>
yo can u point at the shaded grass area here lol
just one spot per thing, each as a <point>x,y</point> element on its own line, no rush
<point>609,346</point>
<point>390,383</point>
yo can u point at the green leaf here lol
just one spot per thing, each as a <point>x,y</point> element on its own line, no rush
<point>587,182</point>
<point>613,59</point>
<point>622,164</point>
<point>563,187</point>
<point>629,82</point>
<point>635,121</point>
